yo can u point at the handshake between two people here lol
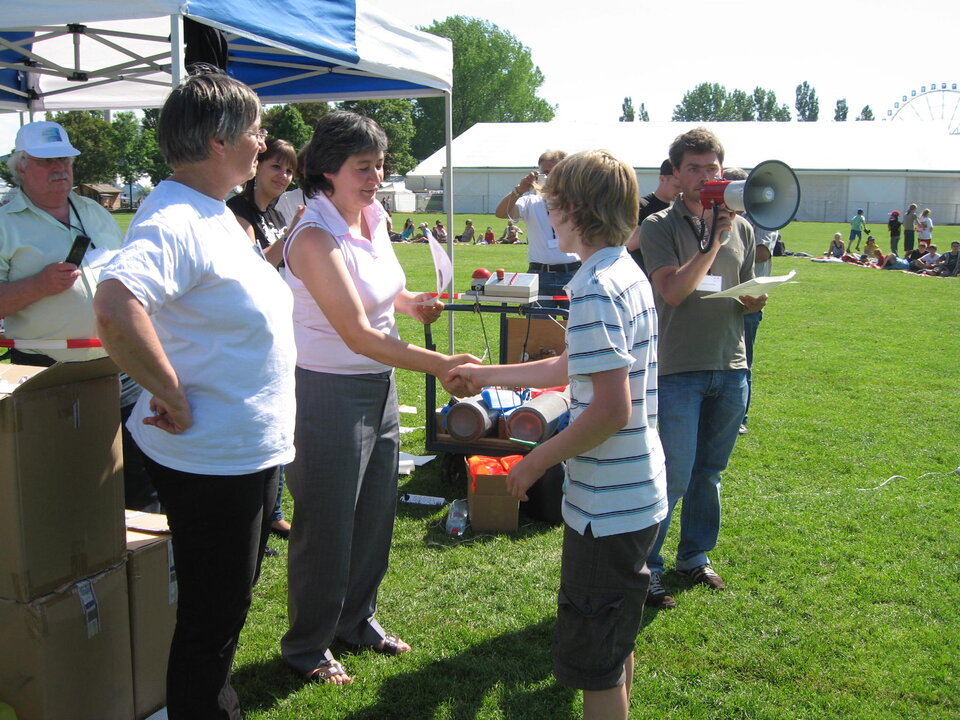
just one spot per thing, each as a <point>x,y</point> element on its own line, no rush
<point>464,376</point>
<point>469,377</point>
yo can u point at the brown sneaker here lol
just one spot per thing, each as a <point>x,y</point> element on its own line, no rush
<point>705,575</point>
<point>656,596</point>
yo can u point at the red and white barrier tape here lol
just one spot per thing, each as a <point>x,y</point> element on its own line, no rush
<point>75,344</point>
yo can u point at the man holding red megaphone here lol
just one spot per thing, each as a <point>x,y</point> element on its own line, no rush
<point>692,250</point>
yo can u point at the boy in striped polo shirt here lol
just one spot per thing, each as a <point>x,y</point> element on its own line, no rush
<point>615,486</point>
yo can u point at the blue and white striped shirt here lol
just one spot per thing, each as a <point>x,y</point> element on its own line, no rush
<point>619,486</point>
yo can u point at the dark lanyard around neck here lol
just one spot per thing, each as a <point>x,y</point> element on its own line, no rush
<point>79,220</point>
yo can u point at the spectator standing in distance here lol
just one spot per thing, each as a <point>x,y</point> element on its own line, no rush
<point>659,199</point>
<point>857,225</point>
<point>42,297</point>
<point>925,227</point>
<point>909,227</point>
<point>894,225</point>
<point>554,267</point>
<point>702,358</point>
<point>762,267</point>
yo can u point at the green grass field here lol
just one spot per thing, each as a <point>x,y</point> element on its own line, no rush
<point>844,589</point>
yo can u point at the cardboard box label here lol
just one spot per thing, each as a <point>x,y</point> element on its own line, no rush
<point>88,604</point>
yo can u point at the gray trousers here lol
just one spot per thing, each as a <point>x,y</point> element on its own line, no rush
<point>344,487</point>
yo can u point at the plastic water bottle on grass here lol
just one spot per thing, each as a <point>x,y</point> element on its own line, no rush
<point>456,518</point>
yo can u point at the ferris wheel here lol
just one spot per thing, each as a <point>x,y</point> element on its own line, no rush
<point>938,101</point>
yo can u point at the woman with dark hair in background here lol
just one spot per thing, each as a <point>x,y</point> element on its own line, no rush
<point>347,285</point>
<point>256,206</point>
<point>189,309</point>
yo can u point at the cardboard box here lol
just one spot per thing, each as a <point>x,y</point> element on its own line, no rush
<point>146,523</point>
<point>66,655</point>
<point>534,338</point>
<point>61,476</point>
<point>492,508</point>
<point>152,589</point>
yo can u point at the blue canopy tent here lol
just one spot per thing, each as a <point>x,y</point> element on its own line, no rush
<point>118,54</point>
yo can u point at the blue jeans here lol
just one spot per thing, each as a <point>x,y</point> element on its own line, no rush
<point>700,413</point>
<point>277,514</point>
<point>751,323</point>
<point>552,283</point>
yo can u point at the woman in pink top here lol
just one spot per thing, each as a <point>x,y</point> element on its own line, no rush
<point>347,284</point>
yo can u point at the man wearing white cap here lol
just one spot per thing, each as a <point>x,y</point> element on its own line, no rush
<point>42,296</point>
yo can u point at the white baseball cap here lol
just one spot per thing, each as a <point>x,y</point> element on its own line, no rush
<point>45,140</point>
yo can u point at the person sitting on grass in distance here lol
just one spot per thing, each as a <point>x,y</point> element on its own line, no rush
<point>439,231</point>
<point>489,237</point>
<point>916,253</point>
<point>511,234</point>
<point>871,246</point>
<point>615,491</point>
<point>836,248</point>
<point>467,236</point>
<point>947,265</point>
<point>875,258</point>
<point>407,232</point>
<point>892,262</point>
<point>926,261</point>
<point>423,233</point>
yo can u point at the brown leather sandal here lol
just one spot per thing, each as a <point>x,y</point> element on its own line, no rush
<point>390,645</point>
<point>328,672</point>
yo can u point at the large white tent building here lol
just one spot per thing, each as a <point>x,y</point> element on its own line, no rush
<point>841,166</point>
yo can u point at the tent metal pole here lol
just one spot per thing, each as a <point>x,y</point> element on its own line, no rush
<point>448,203</point>
<point>177,71</point>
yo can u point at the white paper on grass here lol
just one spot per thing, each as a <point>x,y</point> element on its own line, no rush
<point>753,288</point>
<point>408,462</point>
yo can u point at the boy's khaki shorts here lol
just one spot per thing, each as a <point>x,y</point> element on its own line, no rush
<point>603,583</point>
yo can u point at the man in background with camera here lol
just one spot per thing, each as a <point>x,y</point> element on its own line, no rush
<point>554,267</point>
<point>42,295</point>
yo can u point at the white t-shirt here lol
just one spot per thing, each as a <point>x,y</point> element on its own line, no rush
<point>288,203</point>
<point>223,316</point>
<point>542,244</point>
